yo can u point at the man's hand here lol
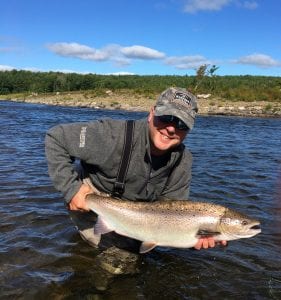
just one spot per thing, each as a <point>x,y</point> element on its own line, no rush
<point>207,242</point>
<point>78,201</point>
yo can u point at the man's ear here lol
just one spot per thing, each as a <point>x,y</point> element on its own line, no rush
<point>151,115</point>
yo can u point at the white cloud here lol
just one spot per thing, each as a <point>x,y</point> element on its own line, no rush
<point>141,52</point>
<point>259,60</point>
<point>187,62</point>
<point>6,68</point>
<point>193,6</point>
<point>250,4</point>
<point>120,73</point>
<point>121,62</point>
<point>79,51</point>
<point>120,56</point>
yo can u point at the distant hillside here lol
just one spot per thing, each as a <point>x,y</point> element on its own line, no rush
<point>233,88</point>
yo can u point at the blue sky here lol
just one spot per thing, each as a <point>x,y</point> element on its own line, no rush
<point>145,37</point>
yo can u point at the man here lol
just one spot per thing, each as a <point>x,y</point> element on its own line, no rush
<point>159,166</point>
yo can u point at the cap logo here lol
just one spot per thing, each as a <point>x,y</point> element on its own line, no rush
<point>182,99</point>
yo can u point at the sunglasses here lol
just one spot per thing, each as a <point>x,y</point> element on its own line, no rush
<point>178,123</point>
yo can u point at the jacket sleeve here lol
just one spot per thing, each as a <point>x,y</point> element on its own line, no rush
<point>178,184</point>
<point>95,143</point>
<point>64,143</point>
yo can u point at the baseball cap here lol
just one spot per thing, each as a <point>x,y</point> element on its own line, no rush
<point>177,102</point>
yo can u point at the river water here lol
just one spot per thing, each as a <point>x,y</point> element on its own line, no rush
<point>236,163</point>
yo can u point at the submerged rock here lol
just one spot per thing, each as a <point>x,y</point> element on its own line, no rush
<point>117,261</point>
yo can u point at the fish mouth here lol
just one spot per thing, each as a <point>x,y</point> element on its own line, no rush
<point>253,230</point>
<point>256,227</point>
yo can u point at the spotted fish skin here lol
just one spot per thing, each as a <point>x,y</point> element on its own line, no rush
<point>173,223</point>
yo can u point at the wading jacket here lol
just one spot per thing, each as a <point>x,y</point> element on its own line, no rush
<point>98,146</point>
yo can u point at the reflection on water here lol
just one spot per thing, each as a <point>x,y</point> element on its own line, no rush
<point>236,163</point>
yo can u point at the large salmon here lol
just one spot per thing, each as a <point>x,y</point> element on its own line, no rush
<point>169,223</point>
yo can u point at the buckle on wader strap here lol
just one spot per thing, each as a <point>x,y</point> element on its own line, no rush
<point>119,185</point>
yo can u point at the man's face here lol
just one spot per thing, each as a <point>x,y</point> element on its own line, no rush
<point>163,136</point>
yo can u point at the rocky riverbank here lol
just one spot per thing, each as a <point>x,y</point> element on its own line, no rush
<point>133,101</point>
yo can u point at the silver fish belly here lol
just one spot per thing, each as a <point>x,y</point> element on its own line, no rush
<point>169,223</point>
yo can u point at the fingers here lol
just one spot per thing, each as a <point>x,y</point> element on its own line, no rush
<point>73,206</point>
<point>205,243</point>
<point>78,201</point>
<point>199,244</point>
<point>211,243</point>
<point>208,242</point>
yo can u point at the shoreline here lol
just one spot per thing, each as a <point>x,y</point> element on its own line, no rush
<point>128,100</point>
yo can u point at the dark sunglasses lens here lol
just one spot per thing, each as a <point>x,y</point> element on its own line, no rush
<point>166,119</point>
<point>179,124</point>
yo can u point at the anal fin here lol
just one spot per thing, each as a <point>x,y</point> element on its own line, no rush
<point>101,227</point>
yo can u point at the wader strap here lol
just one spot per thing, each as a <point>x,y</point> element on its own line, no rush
<point>119,185</point>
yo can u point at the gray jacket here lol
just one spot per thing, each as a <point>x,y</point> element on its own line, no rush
<point>98,145</point>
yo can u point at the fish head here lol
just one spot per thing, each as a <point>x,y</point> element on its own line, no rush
<point>235,225</point>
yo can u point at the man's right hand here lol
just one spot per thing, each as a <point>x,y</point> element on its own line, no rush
<point>78,201</point>
<point>208,242</point>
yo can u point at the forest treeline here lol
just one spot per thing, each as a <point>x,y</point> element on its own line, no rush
<point>236,88</point>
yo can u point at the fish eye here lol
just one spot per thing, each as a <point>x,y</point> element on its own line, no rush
<point>244,223</point>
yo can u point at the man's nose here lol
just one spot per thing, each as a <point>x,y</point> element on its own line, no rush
<point>171,128</point>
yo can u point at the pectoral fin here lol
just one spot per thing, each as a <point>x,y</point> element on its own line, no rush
<point>147,246</point>
<point>206,233</point>
<point>101,227</point>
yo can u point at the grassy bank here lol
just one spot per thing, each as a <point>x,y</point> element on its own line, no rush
<point>135,100</point>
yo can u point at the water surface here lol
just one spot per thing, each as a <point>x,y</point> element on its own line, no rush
<point>236,163</point>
